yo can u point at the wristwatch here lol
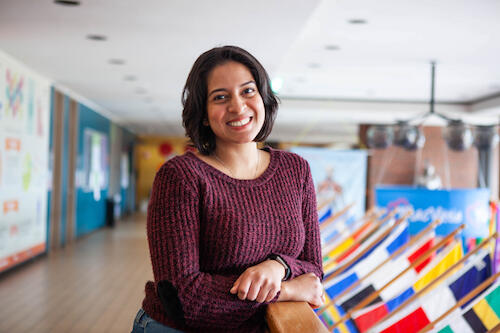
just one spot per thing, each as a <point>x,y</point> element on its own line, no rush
<point>276,257</point>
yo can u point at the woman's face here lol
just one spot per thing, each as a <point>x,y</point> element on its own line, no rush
<point>235,109</point>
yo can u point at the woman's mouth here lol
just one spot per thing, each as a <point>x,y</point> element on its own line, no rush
<point>240,123</point>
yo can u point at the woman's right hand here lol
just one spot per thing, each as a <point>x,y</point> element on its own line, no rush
<point>304,288</point>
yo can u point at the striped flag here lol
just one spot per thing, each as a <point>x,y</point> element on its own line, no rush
<point>333,314</point>
<point>399,291</point>
<point>355,248</point>
<point>398,238</point>
<point>481,315</point>
<point>433,304</point>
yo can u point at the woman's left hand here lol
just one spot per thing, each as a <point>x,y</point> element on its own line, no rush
<point>260,283</point>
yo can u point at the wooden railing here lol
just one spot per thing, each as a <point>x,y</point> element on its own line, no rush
<point>291,317</point>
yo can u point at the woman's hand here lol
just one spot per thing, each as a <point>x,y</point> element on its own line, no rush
<point>304,288</point>
<point>259,283</point>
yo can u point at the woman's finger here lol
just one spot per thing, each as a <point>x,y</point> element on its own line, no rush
<point>271,295</point>
<point>265,289</point>
<point>234,288</point>
<point>254,290</point>
<point>243,288</point>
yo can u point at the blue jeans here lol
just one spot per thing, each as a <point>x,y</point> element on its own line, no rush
<point>145,324</point>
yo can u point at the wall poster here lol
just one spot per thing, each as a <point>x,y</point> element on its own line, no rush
<point>24,152</point>
<point>339,177</point>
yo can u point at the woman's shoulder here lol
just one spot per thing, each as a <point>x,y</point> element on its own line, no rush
<point>182,166</point>
<point>289,158</point>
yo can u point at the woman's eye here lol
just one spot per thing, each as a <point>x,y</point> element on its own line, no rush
<point>219,97</point>
<point>249,91</point>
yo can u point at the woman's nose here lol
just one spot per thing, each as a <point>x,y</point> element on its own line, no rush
<point>237,105</point>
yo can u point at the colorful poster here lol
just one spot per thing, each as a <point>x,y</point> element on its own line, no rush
<point>24,143</point>
<point>96,162</point>
<point>339,177</point>
<point>451,207</point>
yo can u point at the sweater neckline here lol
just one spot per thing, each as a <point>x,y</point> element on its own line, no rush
<point>264,177</point>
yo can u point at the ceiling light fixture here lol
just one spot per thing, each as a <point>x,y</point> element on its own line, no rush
<point>357,21</point>
<point>314,65</point>
<point>408,135</point>
<point>98,38</point>
<point>332,47</point>
<point>116,61</point>
<point>130,78</point>
<point>67,2</point>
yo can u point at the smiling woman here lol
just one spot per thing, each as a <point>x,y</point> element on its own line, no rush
<point>231,227</point>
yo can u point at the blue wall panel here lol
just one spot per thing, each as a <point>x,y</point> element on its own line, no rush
<point>90,214</point>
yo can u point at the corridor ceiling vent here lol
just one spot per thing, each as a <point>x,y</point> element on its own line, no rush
<point>357,21</point>
<point>116,61</point>
<point>314,65</point>
<point>67,2</point>
<point>130,78</point>
<point>97,38</point>
<point>332,47</point>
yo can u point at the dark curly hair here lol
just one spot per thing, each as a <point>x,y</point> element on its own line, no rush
<point>194,95</point>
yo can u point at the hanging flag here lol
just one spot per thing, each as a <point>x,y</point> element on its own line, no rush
<point>429,306</point>
<point>357,246</point>
<point>481,315</point>
<point>398,238</point>
<point>333,314</point>
<point>398,292</point>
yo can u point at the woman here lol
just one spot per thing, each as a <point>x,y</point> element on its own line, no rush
<point>231,228</point>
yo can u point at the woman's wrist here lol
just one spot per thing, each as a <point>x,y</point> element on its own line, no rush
<point>284,292</point>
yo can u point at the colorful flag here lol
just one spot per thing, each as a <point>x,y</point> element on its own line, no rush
<point>429,306</point>
<point>398,292</point>
<point>355,248</point>
<point>398,238</point>
<point>479,316</point>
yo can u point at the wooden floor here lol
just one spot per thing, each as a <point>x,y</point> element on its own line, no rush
<point>96,285</point>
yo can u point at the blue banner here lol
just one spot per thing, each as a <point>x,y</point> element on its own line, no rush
<point>452,207</point>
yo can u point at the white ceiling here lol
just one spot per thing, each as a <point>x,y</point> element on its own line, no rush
<point>380,69</point>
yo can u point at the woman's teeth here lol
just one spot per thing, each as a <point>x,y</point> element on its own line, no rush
<point>240,122</point>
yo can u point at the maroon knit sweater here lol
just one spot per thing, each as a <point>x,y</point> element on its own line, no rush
<point>205,228</point>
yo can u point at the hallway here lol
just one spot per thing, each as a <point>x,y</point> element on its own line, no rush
<point>96,285</point>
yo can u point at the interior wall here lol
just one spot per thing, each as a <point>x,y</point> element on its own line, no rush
<point>149,157</point>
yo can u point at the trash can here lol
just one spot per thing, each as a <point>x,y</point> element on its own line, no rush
<point>110,212</point>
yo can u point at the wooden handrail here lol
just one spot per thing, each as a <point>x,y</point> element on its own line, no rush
<point>293,317</point>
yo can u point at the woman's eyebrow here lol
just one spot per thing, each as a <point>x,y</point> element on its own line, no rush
<point>224,89</point>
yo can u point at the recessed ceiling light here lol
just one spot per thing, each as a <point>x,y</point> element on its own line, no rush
<point>332,47</point>
<point>314,65</point>
<point>117,61</point>
<point>67,2</point>
<point>276,84</point>
<point>97,37</point>
<point>357,21</point>
<point>130,78</point>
